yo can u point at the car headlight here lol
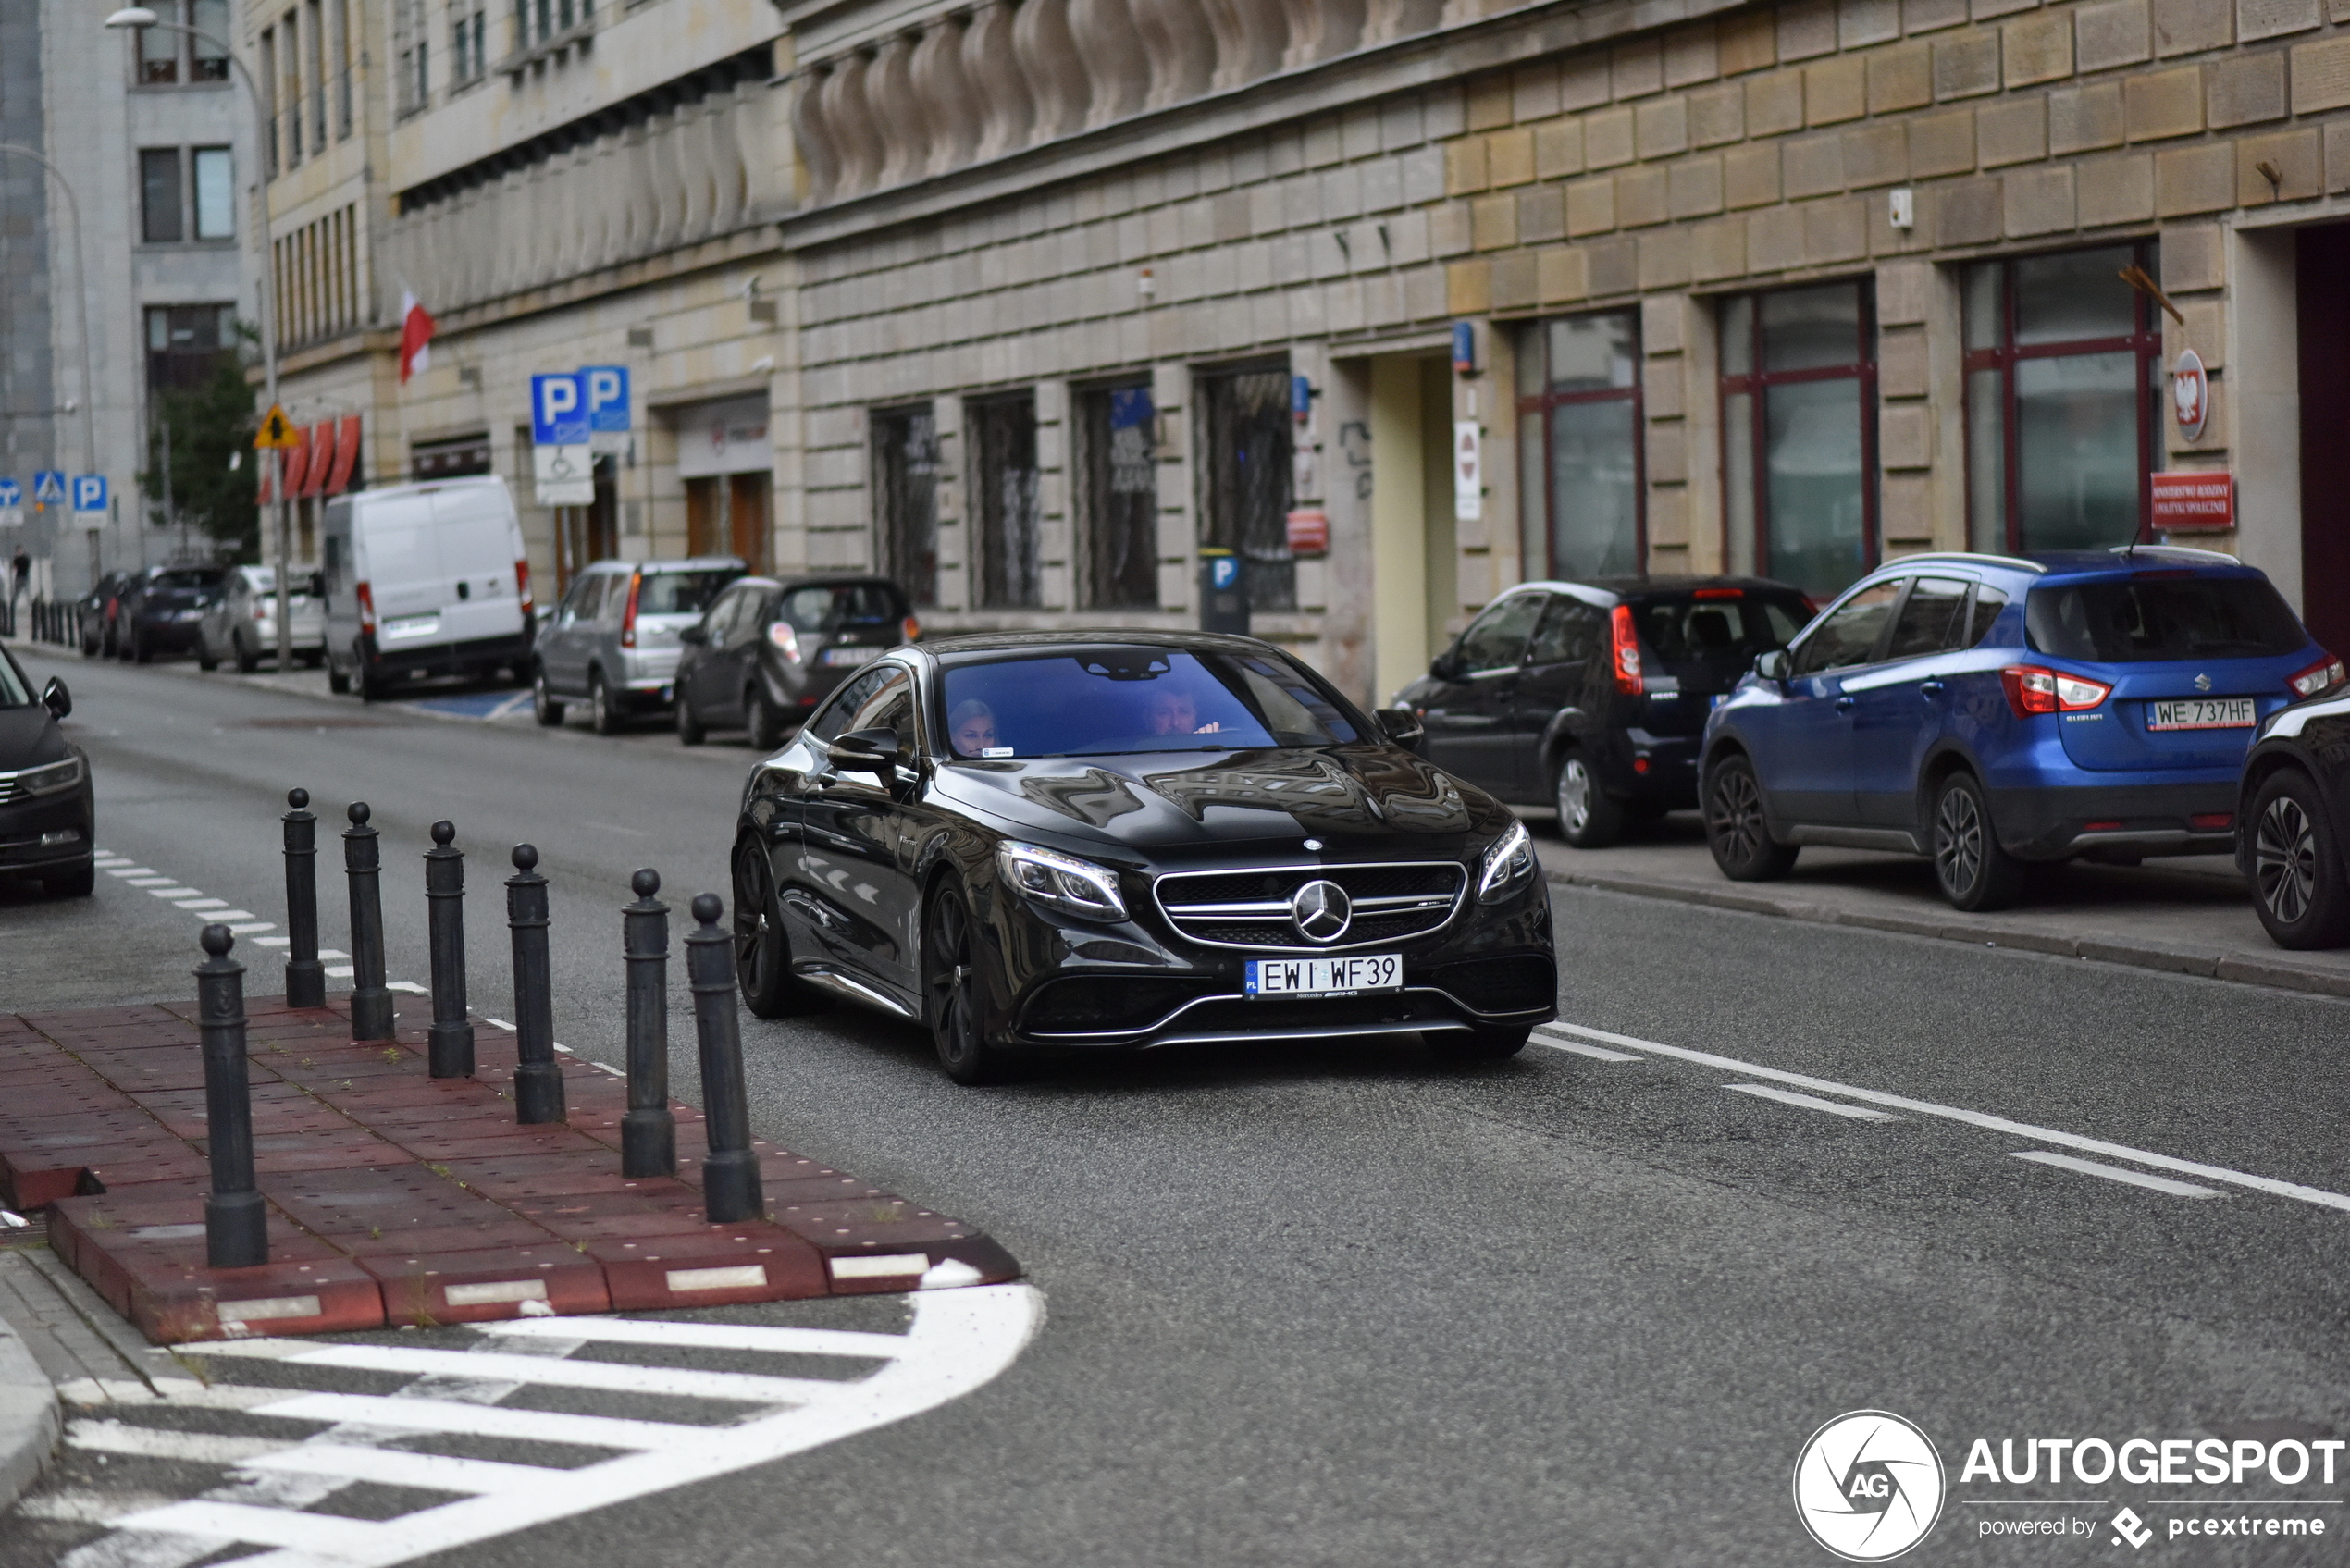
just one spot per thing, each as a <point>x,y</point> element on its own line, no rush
<point>1061,882</point>
<point>1509,866</point>
<point>50,778</point>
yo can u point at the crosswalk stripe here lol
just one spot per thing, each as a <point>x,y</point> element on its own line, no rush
<point>742,1387</point>
<point>161,1442</point>
<point>324,1533</point>
<point>479,1420</point>
<point>396,1467</point>
<point>703,1336</point>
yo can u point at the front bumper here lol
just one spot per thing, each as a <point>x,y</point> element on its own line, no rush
<point>26,825</point>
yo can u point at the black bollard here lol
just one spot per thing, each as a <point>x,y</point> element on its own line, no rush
<point>450,1045</point>
<point>539,1083</point>
<point>730,1189</point>
<point>305,976</point>
<point>371,1017</point>
<point>648,1133</point>
<point>236,1223</point>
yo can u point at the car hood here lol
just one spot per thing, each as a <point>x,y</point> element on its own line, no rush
<point>29,737</point>
<point>1372,799</point>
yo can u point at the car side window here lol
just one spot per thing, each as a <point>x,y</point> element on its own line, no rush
<point>1988,603</point>
<point>890,706</point>
<point>615,600</point>
<point>1569,633</point>
<point>580,603</point>
<point>1849,635</point>
<point>722,616</point>
<point>1497,639</point>
<point>831,721</point>
<point>1933,619</point>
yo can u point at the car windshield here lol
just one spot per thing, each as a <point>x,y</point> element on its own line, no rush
<point>14,690</point>
<point>829,606</point>
<point>185,579</point>
<point>682,593</point>
<point>2152,617</point>
<point>1718,623</point>
<point>1119,699</point>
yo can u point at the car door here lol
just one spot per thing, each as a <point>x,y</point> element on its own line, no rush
<point>734,655</point>
<point>1470,715</point>
<point>1555,686</point>
<point>563,650</point>
<point>1802,744</point>
<point>857,896</point>
<point>1900,704</point>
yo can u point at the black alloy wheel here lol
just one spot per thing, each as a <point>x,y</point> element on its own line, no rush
<point>2298,875</point>
<point>1974,872</point>
<point>543,706</point>
<point>1736,829</point>
<point>1589,818</point>
<point>951,969</point>
<point>689,728</point>
<point>603,709</point>
<point>1479,1044</point>
<point>766,720</point>
<point>762,957</point>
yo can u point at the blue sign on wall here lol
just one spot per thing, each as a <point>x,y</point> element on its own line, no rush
<point>558,412</point>
<point>90,492</point>
<point>49,488</point>
<point>11,495</point>
<point>606,390</point>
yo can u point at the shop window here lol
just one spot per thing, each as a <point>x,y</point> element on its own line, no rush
<point>1004,504</point>
<point>185,344</point>
<point>2063,400</point>
<point>1578,422</point>
<point>461,456</point>
<point>905,499</point>
<point>1798,435</point>
<point>1244,474</point>
<point>1118,498</point>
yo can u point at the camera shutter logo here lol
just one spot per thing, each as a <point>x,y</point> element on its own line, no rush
<point>1869,1486</point>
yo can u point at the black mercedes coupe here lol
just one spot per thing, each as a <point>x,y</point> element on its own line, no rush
<point>1124,839</point>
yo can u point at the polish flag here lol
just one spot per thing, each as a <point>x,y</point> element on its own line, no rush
<point>415,336</point>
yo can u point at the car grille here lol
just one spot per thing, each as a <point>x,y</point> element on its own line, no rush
<point>1392,903</point>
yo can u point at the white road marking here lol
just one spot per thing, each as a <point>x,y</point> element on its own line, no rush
<point>748,1387</point>
<point>132,872</point>
<point>1596,1053</point>
<point>183,1392</point>
<point>497,1023</point>
<point>273,942</point>
<point>2115,1173</point>
<point>407,985</point>
<point>75,1506</point>
<point>394,1467</point>
<point>105,862</point>
<point>1812,1101</point>
<point>2001,1124</point>
<point>246,928</point>
<point>206,904</point>
<point>160,1443</point>
<point>702,1336</point>
<point>147,879</point>
<point>226,915</point>
<point>173,892</point>
<point>339,971</point>
<point>478,1420</point>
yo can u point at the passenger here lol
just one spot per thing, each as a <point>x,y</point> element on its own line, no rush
<point>1171,711</point>
<point>973,728</point>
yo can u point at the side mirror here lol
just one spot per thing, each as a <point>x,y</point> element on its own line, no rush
<point>1772,666</point>
<point>1444,667</point>
<point>694,633</point>
<point>864,751</point>
<point>56,698</point>
<point>1402,726</point>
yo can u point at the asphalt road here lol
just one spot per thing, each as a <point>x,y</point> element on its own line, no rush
<point>1343,1306</point>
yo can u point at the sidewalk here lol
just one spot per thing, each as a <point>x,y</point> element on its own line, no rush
<point>2189,914</point>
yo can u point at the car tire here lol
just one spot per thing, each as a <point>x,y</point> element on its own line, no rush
<point>603,713</point>
<point>336,682</point>
<point>372,686</point>
<point>762,956</point>
<point>690,731</point>
<point>1479,1044</point>
<point>248,656</point>
<point>138,653</point>
<point>79,883</point>
<point>766,720</point>
<point>1973,870</point>
<point>206,659</point>
<point>543,706</point>
<point>312,659</point>
<point>2299,885</point>
<point>955,990</point>
<point>1737,829</point>
<point>1588,817</point>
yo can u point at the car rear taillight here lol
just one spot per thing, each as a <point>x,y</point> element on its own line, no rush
<point>784,637</point>
<point>2032,690</point>
<point>2319,677</point>
<point>1624,649</point>
<point>261,610</point>
<point>2211,821</point>
<point>1719,592</point>
<point>522,587</point>
<point>628,618</point>
<point>910,629</point>
<point>367,596</point>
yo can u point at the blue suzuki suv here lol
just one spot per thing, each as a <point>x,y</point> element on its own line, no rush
<point>1988,710</point>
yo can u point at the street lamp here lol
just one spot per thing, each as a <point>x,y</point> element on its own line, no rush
<point>81,305</point>
<point>138,17</point>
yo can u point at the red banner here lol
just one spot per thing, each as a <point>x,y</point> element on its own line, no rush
<point>297,461</point>
<point>322,457</point>
<point>2189,501</point>
<point>346,455</point>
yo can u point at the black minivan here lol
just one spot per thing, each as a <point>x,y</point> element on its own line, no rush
<point>1591,697</point>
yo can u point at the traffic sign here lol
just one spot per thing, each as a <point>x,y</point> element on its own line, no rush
<point>11,493</point>
<point>566,475</point>
<point>276,430</point>
<point>90,492</point>
<point>606,390</point>
<point>558,412</point>
<point>48,487</point>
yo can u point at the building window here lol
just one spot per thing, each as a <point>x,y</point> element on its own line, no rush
<point>2063,400</point>
<point>468,39</point>
<point>169,57</point>
<point>1118,498</point>
<point>317,75</point>
<point>1004,504</point>
<point>216,202</point>
<point>457,457</point>
<point>905,499</point>
<point>185,345</point>
<point>290,33</point>
<point>342,69</point>
<point>1244,424</point>
<point>1578,422</point>
<point>1798,435</point>
<point>160,48</point>
<point>411,76</point>
<point>160,221</point>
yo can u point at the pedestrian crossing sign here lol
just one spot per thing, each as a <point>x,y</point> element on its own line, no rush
<point>275,430</point>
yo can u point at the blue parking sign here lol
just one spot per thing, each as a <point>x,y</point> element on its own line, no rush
<point>605,390</point>
<point>49,488</point>
<point>558,412</point>
<point>90,492</point>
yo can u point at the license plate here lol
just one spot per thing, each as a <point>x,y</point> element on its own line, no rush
<point>1325,977</point>
<point>2201,714</point>
<point>412,627</point>
<point>852,655</point>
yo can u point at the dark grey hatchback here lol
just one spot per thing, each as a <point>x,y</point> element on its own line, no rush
<point>47,812</point>
<point>769,650</point>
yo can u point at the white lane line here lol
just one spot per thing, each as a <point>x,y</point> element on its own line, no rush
<point>146,879</point>
<point>105,862</point>
<point>408,985</point>
<point>314,1535</point>
<point>2001,1124</point>
<point>1812,1101</point>
<point>497,1023</point>
<point>392,1467</point>
<point>2114,1173</point>
<point>702,1335</point>
<point>163,1442</point>
<point>204,904</point>
<point>226,915</point>
<point>246,926</point>
<point>742,1387</point>
<point>1596,1053</point>
<point>183,1393</point>
<point>476,1420</point>
<point>132,872</point>
<point>273,942</point>
<point>173,892</point>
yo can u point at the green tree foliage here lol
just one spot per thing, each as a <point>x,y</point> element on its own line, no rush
<point>212,429</point>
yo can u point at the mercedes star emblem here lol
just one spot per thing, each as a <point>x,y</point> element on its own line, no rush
<point>1322,911</point>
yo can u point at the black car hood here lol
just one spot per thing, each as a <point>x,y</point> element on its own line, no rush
<point>29,737</point>
<point>1369,799</point>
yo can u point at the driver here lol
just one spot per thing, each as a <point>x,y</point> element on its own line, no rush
<point>973,728</point>
<point>1171,711</point>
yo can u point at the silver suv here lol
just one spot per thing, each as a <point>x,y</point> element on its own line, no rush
<point>241,625</point>
<point>613,642</point>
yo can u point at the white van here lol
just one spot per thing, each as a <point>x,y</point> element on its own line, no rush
<point>424,580</point>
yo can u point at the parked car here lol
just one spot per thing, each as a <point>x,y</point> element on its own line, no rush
<point>101,608</point>
<point>424,580</point>
<point>48,814</point>
<point>1589,697</point>
<point>613,638</point>
<point>768,651</point>
<point>162,609</point>
<point>2293,810</point>
<point>240,624</point>
<point>1990,711</point>
<point>1112,840</point>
